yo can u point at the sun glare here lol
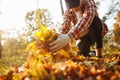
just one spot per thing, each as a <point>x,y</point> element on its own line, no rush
<point>13,12</point>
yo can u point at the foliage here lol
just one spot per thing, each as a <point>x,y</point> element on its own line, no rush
<point>13,46</point>
<point>117,29</point>
<point>31,19</point>
<point>0,44</point>
<point>79,68</point>
<point>112,40</point>
<point>13,49</point>
<point>112,10</point>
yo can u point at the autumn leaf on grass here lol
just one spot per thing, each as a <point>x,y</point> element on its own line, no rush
<point>111,64</point>
<point>88,63</point>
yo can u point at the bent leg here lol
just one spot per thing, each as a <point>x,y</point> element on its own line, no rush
<point>84,45</point>
<point>96,35</point>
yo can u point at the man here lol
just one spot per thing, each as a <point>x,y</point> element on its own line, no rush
<point>87,27</point>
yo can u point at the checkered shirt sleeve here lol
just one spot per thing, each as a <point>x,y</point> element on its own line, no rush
<point>83,23</point>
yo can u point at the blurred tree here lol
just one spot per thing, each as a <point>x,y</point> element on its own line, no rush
<point>0,38</point>
<point>117,29</point>
<point>112,9</point>
<point>0,44</point>
<point>110,44</point>
<point>31,20</point>
<point>17,45</point>
<point>13,51</point>
<point>13,47</point>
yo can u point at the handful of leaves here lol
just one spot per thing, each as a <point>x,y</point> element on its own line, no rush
<point>43,37</point>
<point>40,47</point>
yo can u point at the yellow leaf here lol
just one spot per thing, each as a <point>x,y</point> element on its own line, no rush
<point>30,46</point>
<point>63,53</point>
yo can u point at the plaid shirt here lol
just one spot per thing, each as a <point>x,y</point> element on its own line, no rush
<point>89,12</point>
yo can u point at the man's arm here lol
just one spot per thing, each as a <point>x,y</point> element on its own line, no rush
<point>68,18</point>
<point>66,23</point>
<point>85,21</point>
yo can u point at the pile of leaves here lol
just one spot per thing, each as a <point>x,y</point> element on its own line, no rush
<point>77,68</point>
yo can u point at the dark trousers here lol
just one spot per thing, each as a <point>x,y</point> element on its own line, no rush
<point>94,37</point>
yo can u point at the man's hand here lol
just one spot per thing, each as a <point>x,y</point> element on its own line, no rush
<point>60,42</point>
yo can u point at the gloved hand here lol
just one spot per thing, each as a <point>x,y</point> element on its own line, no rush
<point>60,42</point>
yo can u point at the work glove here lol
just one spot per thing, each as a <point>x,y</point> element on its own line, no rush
<point>60,42</point>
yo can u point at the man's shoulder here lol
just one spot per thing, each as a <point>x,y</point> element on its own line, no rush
<point>69,12</point>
